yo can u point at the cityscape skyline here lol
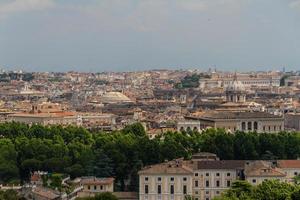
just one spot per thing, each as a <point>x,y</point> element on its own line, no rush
<point>128,35</point>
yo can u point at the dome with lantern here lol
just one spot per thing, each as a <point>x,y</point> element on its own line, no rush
<point>235,86</point>
<point>235,91</point>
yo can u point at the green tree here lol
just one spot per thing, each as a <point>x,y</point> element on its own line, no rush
<point>296,195</point>
<point>8,161</point>
<point>101,196</point>
<point>103,166</point>
<point>137,129</point>
<point>240,190</point>
<point>75,170</point>
<point>9,195</point>
<point>273,190</point>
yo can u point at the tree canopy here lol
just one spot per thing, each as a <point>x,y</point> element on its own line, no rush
<point>121,154</point>
<point>267,190</point>
<point>101,196</point>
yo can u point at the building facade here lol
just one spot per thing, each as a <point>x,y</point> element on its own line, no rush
<point>260,122</point>
<point>205,176</point>
<point>92,186</point>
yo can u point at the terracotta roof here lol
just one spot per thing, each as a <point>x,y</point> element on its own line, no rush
<point>215,115</point>
<point>46,115</point>
<point>45,192</point>
<point>96,181</point>
<point>288,163</point>
<point>172,167</point>
<point>35,177</point>
<point>262,168</point>
<point>220,164</point>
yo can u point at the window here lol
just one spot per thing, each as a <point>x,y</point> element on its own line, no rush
<point>217,192</point>
<point>95,187</point>
<point>295,173</point>
<point>196,174</point>
<point>207,174</point>
<point>89,187</point>
<point>101,187</point>
<point>218,183</point>
<point>206,192</point>
<point>159,189</point>
<point>253,180</point>
<point>184,178</point>
<point>255,126</point>
<point>249,126</point>
<point>217,174</point>
<point>196,183</point>
<point>228,174</point>
<point>184,189</point>
<point>228,183</point>
<point>159,179</point>
<point>146,189</point>
<point>146,178</point>
<point>172,189</point>
<point>243,126</point>
<point>207,183</point>
<point>172,178</point>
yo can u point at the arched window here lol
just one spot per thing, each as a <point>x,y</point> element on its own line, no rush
<point>188,129</point>
<point>181,129</point>
<point>255,126</point>
<point>195,129</point>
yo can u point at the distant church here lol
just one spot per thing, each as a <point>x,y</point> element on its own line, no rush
<point>232,113</point>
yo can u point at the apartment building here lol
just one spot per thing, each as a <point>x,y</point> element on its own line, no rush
<point>93,185</point>
<point>169,180</point>
<point>205,176</point>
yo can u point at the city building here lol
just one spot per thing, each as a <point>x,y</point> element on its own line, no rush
<point>258,171</point>
<point>292,121</point>
<point>93,185</point>
<point>248,80</point>
<point>205,176</point>
<point>239,121</point>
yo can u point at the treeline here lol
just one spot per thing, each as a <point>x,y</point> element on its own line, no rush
<point>101,196</point>
<point>190,81</point>
<point>78,152</point>
<point>267,190</point>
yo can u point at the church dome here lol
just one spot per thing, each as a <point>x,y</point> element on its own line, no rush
<point>235,86</point>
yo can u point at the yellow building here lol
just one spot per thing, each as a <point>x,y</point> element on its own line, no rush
<point>92,186</point>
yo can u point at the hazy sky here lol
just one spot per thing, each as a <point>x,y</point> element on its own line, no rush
<point>107,35</point>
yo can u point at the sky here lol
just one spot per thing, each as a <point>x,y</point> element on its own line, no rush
<point>130,35</point>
